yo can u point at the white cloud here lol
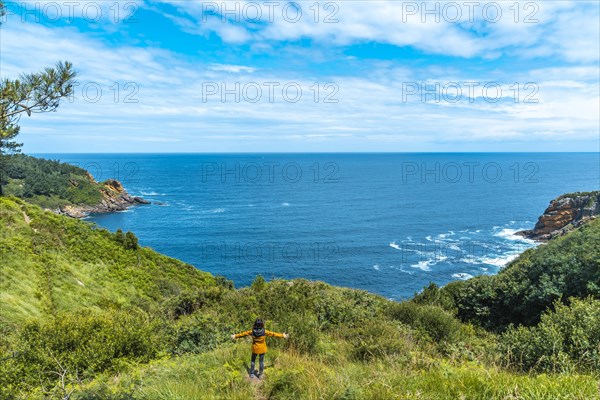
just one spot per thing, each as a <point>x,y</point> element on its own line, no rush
<point>232,68</point>
<point>171,114</point>
<point>565,29</point>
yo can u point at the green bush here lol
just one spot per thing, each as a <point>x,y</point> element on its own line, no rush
<point>435,295</point>
<point>304,334</point>
<point>131,241</point>
<point>83,344</point>
<point>258,283</point>
<point>437,324</point>
<point>565,340</point>
<point>287,384</point>
<point>565,267</point>
<point>120,237</point>
<point>199,333</point>
<point>373,339</point>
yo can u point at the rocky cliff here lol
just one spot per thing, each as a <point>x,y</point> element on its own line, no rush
<point>114,198</point>
<point>565,213</point>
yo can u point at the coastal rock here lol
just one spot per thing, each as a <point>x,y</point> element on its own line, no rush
<point>114,198</point>
<point>565,213</point>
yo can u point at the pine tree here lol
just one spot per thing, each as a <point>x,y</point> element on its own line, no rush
<point>131,241</point>
<point>32,93</point>
<point>119,237</point>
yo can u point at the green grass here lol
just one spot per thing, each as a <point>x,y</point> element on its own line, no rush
<point>58,264</point>
<point>220,374</point>
<point>579,194</point>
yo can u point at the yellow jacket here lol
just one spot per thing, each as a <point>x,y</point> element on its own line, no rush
<point>259,343</point>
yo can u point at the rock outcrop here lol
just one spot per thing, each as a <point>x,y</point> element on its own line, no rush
<point>565,213</point>
<point>114,198</point>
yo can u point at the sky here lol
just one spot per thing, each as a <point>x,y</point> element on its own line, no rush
<point>311,76</point>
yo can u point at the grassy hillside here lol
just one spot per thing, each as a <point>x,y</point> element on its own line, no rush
<point>53,264</point>
<point>85,316</point>
<point>50,184</point>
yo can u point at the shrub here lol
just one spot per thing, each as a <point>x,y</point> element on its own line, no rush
<point>437,324</point>
<point>188,302</point>
<point>376,339</point>
<point>436,296</point>
<point>304,334</point>
<point>84,344</point>
<point>287,384</point>
<point>131,241</point>
<point>119,237</point>
<point>222,281</point>
<point>199,333</point>
<point>258,283</point>
<point>566,339</point>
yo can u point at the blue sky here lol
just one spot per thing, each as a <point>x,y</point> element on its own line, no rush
<point>254,76</point>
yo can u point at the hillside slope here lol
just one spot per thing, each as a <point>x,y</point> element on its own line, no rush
<point>51,264</point>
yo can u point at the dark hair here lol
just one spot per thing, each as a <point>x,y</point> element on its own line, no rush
<point>259,323</point>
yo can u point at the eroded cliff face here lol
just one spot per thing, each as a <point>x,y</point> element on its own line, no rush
<point>114,198</point>
<point>564,214</point>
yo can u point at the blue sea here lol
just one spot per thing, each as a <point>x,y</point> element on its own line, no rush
<point>386,223</point>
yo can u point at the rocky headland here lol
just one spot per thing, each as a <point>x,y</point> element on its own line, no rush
<point>114,198</point>
<point>564,214</point>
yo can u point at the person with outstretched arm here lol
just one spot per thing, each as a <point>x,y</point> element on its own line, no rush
<point>259,344</point>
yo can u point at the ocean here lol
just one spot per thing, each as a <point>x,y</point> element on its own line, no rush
<point>386,223</point>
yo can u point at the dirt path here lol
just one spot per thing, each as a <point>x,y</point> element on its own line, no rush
<point>26,217</point>
<point>257,384</point>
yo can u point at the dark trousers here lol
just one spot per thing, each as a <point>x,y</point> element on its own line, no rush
<point>261,363</point>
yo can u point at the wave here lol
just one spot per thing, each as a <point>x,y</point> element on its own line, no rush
<point>499,261</point>
<point>423,265</point>
<point>445,235</point>
<point>510,234</point>
<point>485,248</point>
<point>401,269</point>
<point>285,204</point>
<point>376,267</point>
<point>151,193</point>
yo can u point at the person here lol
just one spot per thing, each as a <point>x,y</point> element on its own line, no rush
<point>259,344</point>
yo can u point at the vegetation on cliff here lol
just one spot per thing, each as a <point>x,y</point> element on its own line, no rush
<point>565,267</point>
<point>49,184</point>
<point>87,315</point>
<point>60,186</point>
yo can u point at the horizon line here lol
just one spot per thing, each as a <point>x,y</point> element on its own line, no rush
<point>321,152</point>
